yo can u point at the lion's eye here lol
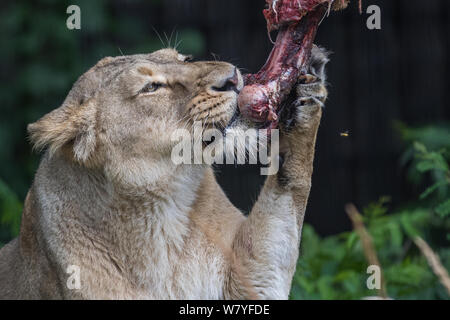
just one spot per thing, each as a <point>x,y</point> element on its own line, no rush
<point>151,87</point>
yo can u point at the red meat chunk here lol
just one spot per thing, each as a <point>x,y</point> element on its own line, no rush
<point>297,21</point>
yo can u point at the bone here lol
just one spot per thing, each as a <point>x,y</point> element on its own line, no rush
<point>297,21</point>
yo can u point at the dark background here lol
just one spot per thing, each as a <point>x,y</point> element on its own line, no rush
<point>377,78</point>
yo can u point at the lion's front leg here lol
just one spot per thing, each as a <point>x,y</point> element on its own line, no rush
<point>266,246</point>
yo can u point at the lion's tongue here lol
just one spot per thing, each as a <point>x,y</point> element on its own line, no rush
<point>265,91</point>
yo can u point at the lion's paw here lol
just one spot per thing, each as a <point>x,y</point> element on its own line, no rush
<point>311,91</point>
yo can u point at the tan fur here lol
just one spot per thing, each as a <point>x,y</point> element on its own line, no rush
<point>108,199</point>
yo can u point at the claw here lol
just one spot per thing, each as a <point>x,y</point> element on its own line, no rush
<point>311,101</point>
<point>307,78</point>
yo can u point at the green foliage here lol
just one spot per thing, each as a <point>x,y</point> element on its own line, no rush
<point>10,207</point>
<point>335,268</point>
<point>436,164</point>
<point>443,209</point>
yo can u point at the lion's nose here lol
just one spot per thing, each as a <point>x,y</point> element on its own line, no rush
<point>229,84</point>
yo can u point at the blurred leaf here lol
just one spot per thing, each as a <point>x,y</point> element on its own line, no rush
<point>434,137</point>
<point>432,161</point>
<point>351,240</point>
<point>10,209</point>
<point>433,188</point>
<point>443,209</point>
<point>420,147</point>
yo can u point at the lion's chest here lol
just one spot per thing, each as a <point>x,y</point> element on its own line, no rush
<point>175,260</point>
<point>198,273</point>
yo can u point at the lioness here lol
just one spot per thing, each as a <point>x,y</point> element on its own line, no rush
<point>107,203</point>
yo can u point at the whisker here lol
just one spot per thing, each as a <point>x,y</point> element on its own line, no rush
<point>179,43</point>
<point>168,42</point>
<point>176,39</point>
<point>171,34</point>
<point>159,36</point>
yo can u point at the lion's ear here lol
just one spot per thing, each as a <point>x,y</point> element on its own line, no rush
<point>69,124</point>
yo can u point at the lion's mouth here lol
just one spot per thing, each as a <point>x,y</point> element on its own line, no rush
<point>234,118</point>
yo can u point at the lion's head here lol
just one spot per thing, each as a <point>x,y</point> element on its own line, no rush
<point>124,109</point>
